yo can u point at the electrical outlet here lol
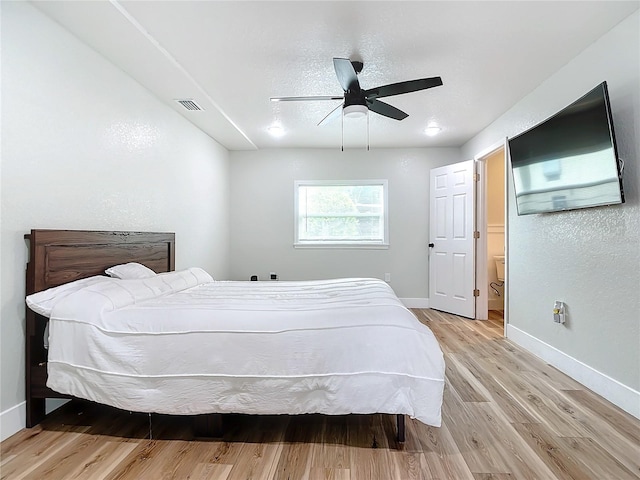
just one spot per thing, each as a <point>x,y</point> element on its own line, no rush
<point>387,277</point>
<point>273,275</point>
<point>559,312</point>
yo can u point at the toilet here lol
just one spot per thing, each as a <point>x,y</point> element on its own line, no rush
<point>499,259</point>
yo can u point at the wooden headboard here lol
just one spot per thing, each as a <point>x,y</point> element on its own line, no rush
<point>62,256</point>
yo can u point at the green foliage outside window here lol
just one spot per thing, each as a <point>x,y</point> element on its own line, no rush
<point>342,212</point>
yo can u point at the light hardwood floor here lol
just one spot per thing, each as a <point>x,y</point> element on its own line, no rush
<point>506,415</point>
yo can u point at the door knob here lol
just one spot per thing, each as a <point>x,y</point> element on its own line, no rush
<point>431,245</point>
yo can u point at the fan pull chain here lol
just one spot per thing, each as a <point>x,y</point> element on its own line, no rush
<point>367,131</point>
<point>342,126</point>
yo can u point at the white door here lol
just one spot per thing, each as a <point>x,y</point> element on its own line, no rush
<point>452,247</point>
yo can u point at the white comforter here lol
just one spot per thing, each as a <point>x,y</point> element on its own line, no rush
<point>181,343</point>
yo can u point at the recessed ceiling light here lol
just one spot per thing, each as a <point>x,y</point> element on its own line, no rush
<point>432,129</point>
<point>276,130</point>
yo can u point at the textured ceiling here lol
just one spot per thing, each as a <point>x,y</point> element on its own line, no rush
<point>230,57</point>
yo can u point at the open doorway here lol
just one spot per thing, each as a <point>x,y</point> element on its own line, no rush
<point>495,197</point>
<point>491,251</point>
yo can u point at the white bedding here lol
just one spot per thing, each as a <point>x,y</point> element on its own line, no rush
<point>181,343</point>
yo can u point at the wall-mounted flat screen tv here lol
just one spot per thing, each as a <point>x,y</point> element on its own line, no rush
<point>570,160</point>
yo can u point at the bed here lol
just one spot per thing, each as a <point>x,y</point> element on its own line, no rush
<point>183,343</point>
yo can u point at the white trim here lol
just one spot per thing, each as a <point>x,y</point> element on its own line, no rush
<point>507,165</point>
<point>360,246</point>
<point>481,265</point>
<point>481,215</point>
<point>415,302</point>
<point>13,420</point>
<point>297,243</point>
<point>491,149</point>
<point>617,393</point>
<point>481,276</point>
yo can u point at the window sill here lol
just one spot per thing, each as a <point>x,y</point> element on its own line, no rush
<point>360,246</point>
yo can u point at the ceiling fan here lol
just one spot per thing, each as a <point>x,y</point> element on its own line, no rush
<point>357,102</point>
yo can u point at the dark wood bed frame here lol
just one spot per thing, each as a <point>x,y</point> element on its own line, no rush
<point>61,256</point>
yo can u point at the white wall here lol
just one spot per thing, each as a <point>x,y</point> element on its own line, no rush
<point>86,147</point>
<point>590,258</point>
<point>263,225</point>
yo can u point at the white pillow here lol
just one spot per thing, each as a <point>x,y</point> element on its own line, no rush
<point>128,271</point>
<point>44,301</point>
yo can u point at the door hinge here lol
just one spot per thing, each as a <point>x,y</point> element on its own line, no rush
<point>476,234</point>
<point>476,177</point>
<point>476,293</point>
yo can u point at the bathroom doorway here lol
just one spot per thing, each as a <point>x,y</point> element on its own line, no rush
<point>495,196</point>
<point>491,252</point>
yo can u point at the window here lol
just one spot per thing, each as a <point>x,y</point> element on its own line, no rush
<point>341,213</point>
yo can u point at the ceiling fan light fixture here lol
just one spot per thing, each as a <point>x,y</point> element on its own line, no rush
<point>355,111</point>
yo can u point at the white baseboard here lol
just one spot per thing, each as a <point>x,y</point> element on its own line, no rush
<point>13,420</point>
<point>617,393</point>
<point>496,304</point>
<point>415,302</point>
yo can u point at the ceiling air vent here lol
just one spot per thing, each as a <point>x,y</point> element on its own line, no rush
<point>189,104</point>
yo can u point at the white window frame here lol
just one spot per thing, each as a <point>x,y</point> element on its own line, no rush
<point>362,244</point>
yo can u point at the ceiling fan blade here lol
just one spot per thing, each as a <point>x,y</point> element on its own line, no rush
<point>386,110</point>
<point>312,98</point>
<point>332,115</point>
<point>402,87</point>
<point>346,74</point>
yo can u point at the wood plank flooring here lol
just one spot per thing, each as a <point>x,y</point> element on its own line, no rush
<point>506,415</point>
